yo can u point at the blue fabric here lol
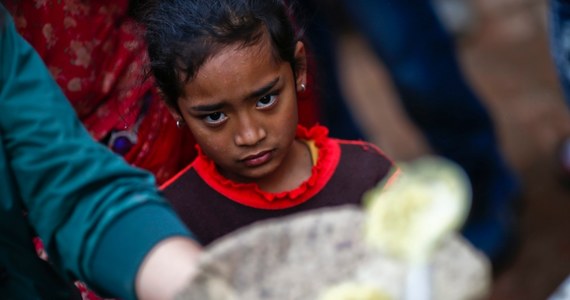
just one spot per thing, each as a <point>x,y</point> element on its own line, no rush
<point>560,42</point>
<point>421,58</point>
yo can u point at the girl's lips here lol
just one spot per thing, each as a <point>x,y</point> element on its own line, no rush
<point>258,159</point>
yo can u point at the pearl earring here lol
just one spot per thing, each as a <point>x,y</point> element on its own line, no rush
<point>179,123</point>
<point>303,87</point>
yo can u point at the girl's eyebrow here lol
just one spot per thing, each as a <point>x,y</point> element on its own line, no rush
<point>264,89</point>
<point>255,94</point>
<point>208,107</point>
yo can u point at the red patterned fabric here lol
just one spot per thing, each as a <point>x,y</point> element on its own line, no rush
<point>97,56</point>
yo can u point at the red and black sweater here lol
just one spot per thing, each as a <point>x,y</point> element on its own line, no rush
<point>212,206</point>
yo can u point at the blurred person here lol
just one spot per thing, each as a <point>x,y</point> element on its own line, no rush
<point>420,57</point>
<point>102,221</point>
<point>559,20</point>
<point>95,53</point>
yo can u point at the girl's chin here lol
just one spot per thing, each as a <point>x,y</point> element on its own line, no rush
<point>250,176</point>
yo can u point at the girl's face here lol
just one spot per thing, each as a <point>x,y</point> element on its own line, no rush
<point>242,109</point>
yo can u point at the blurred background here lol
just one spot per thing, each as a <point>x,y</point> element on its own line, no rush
<point>503,51</point>
<point>501,63</point>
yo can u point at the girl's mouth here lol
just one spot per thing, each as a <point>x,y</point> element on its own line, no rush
<point>258,159</point>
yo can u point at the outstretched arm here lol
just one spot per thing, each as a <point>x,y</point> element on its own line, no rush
<point>162,273</point>
<point>101,220</point>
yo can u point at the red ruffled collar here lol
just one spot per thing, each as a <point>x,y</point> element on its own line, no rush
<point>250,194</point>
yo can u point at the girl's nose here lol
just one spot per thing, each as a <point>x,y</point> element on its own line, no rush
<point>249,133</point>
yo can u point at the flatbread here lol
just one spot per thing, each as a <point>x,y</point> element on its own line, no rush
<point>304,255</point>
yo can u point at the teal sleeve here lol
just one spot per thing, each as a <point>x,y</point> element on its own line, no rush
<point>114,250</point>
<point>73,188</point>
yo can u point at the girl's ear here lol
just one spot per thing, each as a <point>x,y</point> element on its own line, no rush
<point>177,117</point>
<point>301,66</point>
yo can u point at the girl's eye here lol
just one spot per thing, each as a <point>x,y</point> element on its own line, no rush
<point>266,101</point>
<point>216,118</point>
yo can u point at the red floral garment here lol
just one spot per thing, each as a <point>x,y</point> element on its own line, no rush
<point>97,55</point>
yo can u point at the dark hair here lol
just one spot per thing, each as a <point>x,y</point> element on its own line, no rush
<point>183,34</point>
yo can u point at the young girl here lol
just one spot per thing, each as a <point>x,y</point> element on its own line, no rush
<point>231,70</point>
